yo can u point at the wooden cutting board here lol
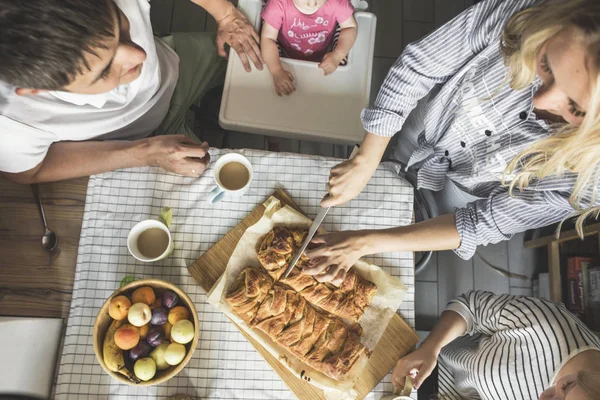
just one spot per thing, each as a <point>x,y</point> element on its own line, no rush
<point>398,339</point>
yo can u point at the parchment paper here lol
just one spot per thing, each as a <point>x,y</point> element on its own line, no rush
<point>389,296</point>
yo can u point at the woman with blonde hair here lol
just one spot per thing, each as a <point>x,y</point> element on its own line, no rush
<point>498,111</point>
<point>502,347</point>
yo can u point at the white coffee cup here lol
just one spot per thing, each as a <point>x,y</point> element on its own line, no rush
<point>221,191</point>
<point>137,230</point>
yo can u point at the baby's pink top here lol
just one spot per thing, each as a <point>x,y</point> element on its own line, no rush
<point>306,37</point>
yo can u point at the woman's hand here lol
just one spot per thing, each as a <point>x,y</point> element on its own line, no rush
<point>335,255</point>
<point>235,30</point>
<point>178,154</point>
<point>419,364</point>
<point>284,82</point>
<point>348,179</point>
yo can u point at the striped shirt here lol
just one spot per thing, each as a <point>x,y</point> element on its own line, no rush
<point>475,124</point>
<point>513,349</point>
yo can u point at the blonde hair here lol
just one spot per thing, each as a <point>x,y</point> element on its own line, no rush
<point>573,149</point>
<point>590,383</point>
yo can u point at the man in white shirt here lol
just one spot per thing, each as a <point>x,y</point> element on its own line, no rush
<point>86,88</point>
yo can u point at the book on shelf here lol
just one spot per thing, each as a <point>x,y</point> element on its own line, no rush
<point>592,319</point>
<point>583,289</point>
<point>577,268</point>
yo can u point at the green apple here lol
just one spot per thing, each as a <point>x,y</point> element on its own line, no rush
<point>183,331</point>
<point>158,355</point>
<point>175,353</point>
<point>145,368</point>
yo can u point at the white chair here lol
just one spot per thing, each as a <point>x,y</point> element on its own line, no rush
<point>29,348</point>
<point>323,108</point>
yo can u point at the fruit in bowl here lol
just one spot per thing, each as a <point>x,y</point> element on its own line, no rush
<point>119,307</point>
<point>133,332</point>
<point>127,337</point>
<point>139,314</point>
<point>183,331</point>
<point>159,316</point>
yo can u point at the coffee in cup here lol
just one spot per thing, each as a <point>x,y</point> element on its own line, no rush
<point>233,175</point>
<point>149,241</point>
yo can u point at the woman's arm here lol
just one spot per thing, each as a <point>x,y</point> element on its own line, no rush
<point>423,360</point>
<point>431,61</point>
<point>282,79</point>
<point>481,222</point>
<point>339,251</point>
<point>234,29</point>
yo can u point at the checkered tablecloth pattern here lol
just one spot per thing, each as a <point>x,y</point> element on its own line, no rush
<point>225,365</point>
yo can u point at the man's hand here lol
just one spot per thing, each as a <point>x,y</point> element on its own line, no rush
<point>419,364</point>
<point>284,82</point>
<point>178,154</point>
<point>235,30</point>
<point>331,62</point>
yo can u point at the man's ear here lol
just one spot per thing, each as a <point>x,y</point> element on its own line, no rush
<point>28,92</point>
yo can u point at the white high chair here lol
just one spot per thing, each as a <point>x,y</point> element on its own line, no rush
<point>323,108</point>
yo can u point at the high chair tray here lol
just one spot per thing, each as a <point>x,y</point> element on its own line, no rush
<point>323,108</point>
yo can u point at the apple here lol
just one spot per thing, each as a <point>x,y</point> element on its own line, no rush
<point>175,353</point>
<point>158,355</point>
<point>183,331</point>
<point>139,314</point>
<point>145,368</point>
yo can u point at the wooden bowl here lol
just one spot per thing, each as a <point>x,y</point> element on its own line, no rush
<point>103,321</point>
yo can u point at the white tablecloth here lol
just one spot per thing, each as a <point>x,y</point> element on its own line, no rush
<point>225,365</point>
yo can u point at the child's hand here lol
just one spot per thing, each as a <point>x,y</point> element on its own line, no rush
<point>284,82</point>
<point>330,62</point>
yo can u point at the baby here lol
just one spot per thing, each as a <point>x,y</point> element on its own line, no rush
<point>305,29</point>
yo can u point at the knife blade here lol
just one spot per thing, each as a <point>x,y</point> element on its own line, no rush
<point>311,233</point>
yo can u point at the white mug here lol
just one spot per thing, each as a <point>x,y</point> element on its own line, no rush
<point>220,192</point>
<point>134,235</point>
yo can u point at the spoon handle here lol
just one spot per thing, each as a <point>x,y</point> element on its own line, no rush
<point>35,189</point>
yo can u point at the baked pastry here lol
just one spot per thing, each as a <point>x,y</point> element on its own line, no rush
<point>322,341</point>
<point>349,300</point>
<point>248,292</point>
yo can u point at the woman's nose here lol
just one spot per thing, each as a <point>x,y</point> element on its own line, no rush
<point>549,98</point>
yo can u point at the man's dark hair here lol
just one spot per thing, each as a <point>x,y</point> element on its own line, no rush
<point>43,43</point>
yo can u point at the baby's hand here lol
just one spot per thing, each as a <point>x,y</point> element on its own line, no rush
<point>284,82</point>
<point>330,62</point>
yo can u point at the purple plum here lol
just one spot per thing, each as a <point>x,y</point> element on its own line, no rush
<point>159,316</point>
<point>142,350</point>
<point>170,299</point>
<point>155,336</point>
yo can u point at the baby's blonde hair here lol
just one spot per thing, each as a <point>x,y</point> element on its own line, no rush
<point>573,149</point>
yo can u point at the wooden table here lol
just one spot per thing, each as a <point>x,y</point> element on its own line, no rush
<point>29,286</point>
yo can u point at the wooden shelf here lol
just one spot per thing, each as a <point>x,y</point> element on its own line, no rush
<point>559,249</point>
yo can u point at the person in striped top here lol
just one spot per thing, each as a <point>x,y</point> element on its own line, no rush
<point>502,347</point>
<point>499,113</point>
